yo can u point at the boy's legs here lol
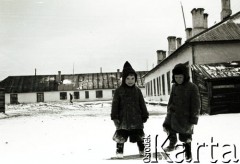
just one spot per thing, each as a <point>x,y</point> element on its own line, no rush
<point>187,139</point>
<point>120,147</point>
<point>140,147</point>
<point>172,141</point>
<point>137,135</point>
<point>120,137</point>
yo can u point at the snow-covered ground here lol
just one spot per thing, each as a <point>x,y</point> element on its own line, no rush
<point>82,133</point>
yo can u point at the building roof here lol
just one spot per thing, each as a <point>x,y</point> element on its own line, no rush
<point>217,70</point>
<point>227,30</point>
<point>77,82</point>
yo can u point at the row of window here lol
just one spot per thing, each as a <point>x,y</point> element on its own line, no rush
<point>76,95</point>
<point>157,86</point>
<point>63,96</point>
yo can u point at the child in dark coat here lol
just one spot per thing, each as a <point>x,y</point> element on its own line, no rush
<point>183,109</point>
<point>128,112</point>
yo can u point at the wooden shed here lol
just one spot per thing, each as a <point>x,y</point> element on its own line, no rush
<point>219,86</point>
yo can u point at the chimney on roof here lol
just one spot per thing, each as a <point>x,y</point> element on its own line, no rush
<point>188,33</point>
<point>171,44</point>
<point>35,72</point>
<point>179,42</point>
<point>160,55</point>
<point>59,77</point>
<point>197,20</point>
<point>100,69</point>
<point>226,9</point>
<point>205,20</point>
<point>118,74</point>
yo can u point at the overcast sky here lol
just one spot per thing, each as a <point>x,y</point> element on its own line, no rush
<point>54,35</point>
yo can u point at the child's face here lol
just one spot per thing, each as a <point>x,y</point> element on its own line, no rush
<point>179,78</point>
<point>130,80</point>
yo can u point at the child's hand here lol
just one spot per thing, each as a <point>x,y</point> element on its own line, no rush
<point>116,122</point>
<point>144,120</point>
<point>165,130</point>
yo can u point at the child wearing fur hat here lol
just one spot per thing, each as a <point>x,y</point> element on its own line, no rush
<point>182,110</point>
<point>128,112</point>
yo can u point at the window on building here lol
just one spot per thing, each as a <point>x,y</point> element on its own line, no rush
<point>113,92</point>
<point>160,85</point>
<point>168,82</point>
<point>99,94</point>
<point>13,99</point>
<point>157,86</point>
<point>154,87</point>
<point>86,94</point>
<point>40,97</point>
<point>63,95</point>
<point>76,95</point>
<point>163,84</point>
<point>151,93</point>
<point>148,88</point>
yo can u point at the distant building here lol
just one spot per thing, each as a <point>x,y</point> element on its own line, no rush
<point>217,44</point>
<point>46,88</point>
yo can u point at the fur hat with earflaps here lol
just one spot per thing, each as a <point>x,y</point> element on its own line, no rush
<point>127,69</point>
<point>180,69</point>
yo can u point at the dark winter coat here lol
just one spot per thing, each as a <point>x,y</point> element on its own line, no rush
<point>183,108</point>
<point>128,106</point>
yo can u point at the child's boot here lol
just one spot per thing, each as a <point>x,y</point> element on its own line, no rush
<point>172,142</point>
<point>171,146</point>
<point>119,151</point>
<point>188,152</point>
<point>140,148</point>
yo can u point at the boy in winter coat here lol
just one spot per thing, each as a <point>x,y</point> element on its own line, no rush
<point>128,112</point>
<point>183,110</point>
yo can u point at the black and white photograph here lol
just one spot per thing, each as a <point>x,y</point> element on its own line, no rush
<point>119,81</point>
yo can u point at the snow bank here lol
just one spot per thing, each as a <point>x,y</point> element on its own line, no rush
<point>82,133</point>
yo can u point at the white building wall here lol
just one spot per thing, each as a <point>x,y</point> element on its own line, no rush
<point>27,97</point>
<point>92,95</point>
<point>143,91</point>
<point>107,94</point>
<point>183,57</point>
<point>7,98</point>
<point>55,96</point>
<point>216,53</point>
<point>51,96</point>
<point>81,95</point>
<point>22,98</point>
